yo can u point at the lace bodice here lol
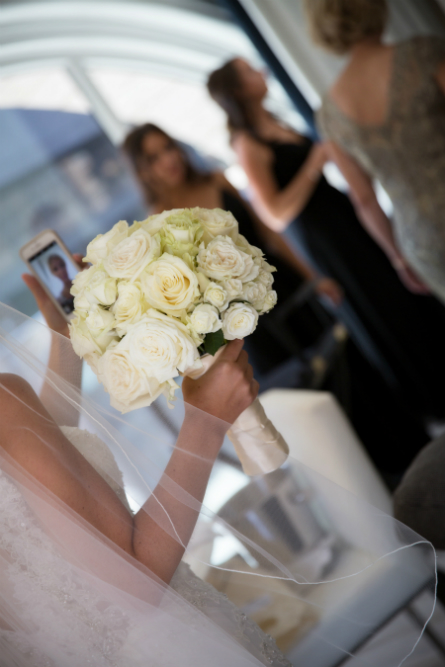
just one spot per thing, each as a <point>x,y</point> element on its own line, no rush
<point>406,153</point>
<point>48,587</point>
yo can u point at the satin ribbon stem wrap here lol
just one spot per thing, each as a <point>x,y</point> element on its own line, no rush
<point>259,446</point>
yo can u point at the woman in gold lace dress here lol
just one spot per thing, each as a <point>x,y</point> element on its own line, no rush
<point>387,111</point>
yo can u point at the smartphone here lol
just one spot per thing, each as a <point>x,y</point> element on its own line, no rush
<point>54,267</point>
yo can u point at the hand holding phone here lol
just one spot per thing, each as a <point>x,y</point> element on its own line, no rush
<point>54,269</point>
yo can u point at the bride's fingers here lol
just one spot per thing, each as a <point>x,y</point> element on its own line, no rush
<point>249,373</point>
<point>255,388</point>
<point>243,360</point>
<point>232,350</point>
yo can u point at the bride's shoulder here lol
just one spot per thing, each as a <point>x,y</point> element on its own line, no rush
<point>12,387</point>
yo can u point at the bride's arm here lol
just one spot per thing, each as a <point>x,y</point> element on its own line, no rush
<point>32,439</point>
<point>225,391</point>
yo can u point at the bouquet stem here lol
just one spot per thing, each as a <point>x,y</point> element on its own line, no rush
<point>258,444</point>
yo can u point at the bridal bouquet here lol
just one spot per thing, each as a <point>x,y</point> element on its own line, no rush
<point>164,292</point>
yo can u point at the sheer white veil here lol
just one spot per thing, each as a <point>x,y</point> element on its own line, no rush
<point>315,566</point>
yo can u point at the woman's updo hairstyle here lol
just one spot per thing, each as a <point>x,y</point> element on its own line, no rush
<point>338,25</point>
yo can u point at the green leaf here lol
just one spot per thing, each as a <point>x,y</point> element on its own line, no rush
<point>213,341</point>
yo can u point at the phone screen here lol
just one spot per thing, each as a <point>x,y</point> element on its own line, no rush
<point>57,271</point>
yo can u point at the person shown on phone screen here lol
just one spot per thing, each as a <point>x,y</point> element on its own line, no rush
<point>57,267</point>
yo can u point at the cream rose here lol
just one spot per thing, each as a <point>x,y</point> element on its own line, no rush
<point>181,234</point>
<point>239,321</point>
<point>100,247</point>
<point>160,346</point>
<point>205,319</point>
<point>81,280</point>
<point>99,321</point>
<point>91,287</point>
<point>129,306</point>
<point>266,278</point>
<point>255,293</point>
<point>101,288</point>
<point>217,296</point>
<point>83,341</point>
<point>233,287</point>
<point>154,223</point>
<point>216,222</point>
<point>129,258</point>
<point>128,386</point>
<point>270,301</point>
<point>170,285</point>
<point>222,260</point>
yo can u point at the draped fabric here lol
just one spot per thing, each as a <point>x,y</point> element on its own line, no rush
<point>288,554</point>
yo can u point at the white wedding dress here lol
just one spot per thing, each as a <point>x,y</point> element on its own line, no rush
<point>47,587</point>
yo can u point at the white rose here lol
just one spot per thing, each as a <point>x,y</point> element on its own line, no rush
<point>160,346</point>
<point>93,286</point>
<point>99,321</point>
<point>129,307</point>
<point>83,341</point>
<point>100,247</point>
<point>222,260</point>
<point>255,293</point>
<point>170,285</point>
<point>233,287</point>
<point>81,280</point>
<point>129,258</point>
<point>205,319</point>
<point>266,278</point>
<point>245,246</point>
<point>216,222</point>
<point>82,305</point>
<point>128,386</point>
<point>101,288</point>
<point>239,321</point>
<point>183,228</point>
<point>217,296</point>
<point>154,223</point>
<point>270,301</point>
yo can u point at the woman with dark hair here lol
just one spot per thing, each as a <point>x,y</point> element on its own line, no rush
<point>399,332</point>
<point>169,181</point>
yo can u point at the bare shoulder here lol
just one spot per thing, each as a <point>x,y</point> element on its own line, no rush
<point>13,387</point>
<point>19,403</point>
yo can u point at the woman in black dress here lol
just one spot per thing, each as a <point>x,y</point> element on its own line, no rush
<point>399,332</point>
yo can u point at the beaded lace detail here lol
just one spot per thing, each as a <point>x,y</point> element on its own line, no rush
<point>47,586</point>
<point>212,603</point>
<point>89,630</point>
